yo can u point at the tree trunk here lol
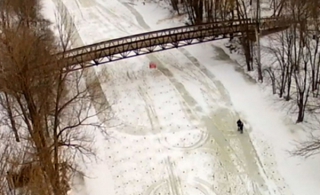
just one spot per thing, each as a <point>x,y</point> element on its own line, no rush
<point>300,103</point>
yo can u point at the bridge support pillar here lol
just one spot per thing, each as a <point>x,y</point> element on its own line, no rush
<point>231,36</point>
<point>247,45</point>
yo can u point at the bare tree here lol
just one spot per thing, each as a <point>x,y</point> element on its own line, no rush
<point>202,11</point>
<point>309,81</point>
<point>41,102</point>
<point>308,148</point>
<point>295,54</point>
<point>4,156</point>
<point>245,41</point>
<point>281,58</point>
<point>278,7</point>
<point>303,87</point>
<point>269,71</point>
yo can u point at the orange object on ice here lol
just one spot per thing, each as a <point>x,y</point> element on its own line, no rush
<point>152,65</point>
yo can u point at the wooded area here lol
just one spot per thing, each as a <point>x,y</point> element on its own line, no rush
<point>292,61</point>
<point>293,65</point>
<point>46,112</point>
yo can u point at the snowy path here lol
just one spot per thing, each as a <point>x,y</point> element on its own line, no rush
<point>177,123</point>
<point>100,102</point>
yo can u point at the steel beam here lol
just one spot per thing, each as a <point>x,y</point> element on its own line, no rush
<point>145,43</point>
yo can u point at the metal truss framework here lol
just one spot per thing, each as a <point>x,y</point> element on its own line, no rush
<point>155,41</point>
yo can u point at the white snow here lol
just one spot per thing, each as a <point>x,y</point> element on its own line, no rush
<point>267,124</point>
<point>177,124</point>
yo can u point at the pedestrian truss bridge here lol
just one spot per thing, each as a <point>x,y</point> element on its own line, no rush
<point>144,43</point>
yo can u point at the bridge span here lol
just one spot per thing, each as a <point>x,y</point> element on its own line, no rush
<point>144,43</point>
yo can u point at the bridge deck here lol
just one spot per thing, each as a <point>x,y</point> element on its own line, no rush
<point>144,43</point>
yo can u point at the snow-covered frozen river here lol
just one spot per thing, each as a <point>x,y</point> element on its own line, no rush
<point>176,126</point>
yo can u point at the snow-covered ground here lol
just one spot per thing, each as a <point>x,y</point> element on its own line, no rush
<point>176,129</point>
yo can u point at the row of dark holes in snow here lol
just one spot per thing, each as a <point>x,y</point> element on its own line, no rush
<point>150,158</point>
<point>164,173</point>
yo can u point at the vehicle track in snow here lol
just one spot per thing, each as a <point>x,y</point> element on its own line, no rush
<point>169,75</point>
<point>188,102</point>
<point>92,77</point>
<point>172,180</point>
<point>218,136</point>
<point>251,160</point>
<point>161,68</point>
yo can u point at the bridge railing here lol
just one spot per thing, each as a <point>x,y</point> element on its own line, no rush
<point>125,39</point>
<point>265,22</point>
<point>173,36</point>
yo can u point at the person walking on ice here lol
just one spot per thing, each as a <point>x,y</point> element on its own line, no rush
<point>240,126</point>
